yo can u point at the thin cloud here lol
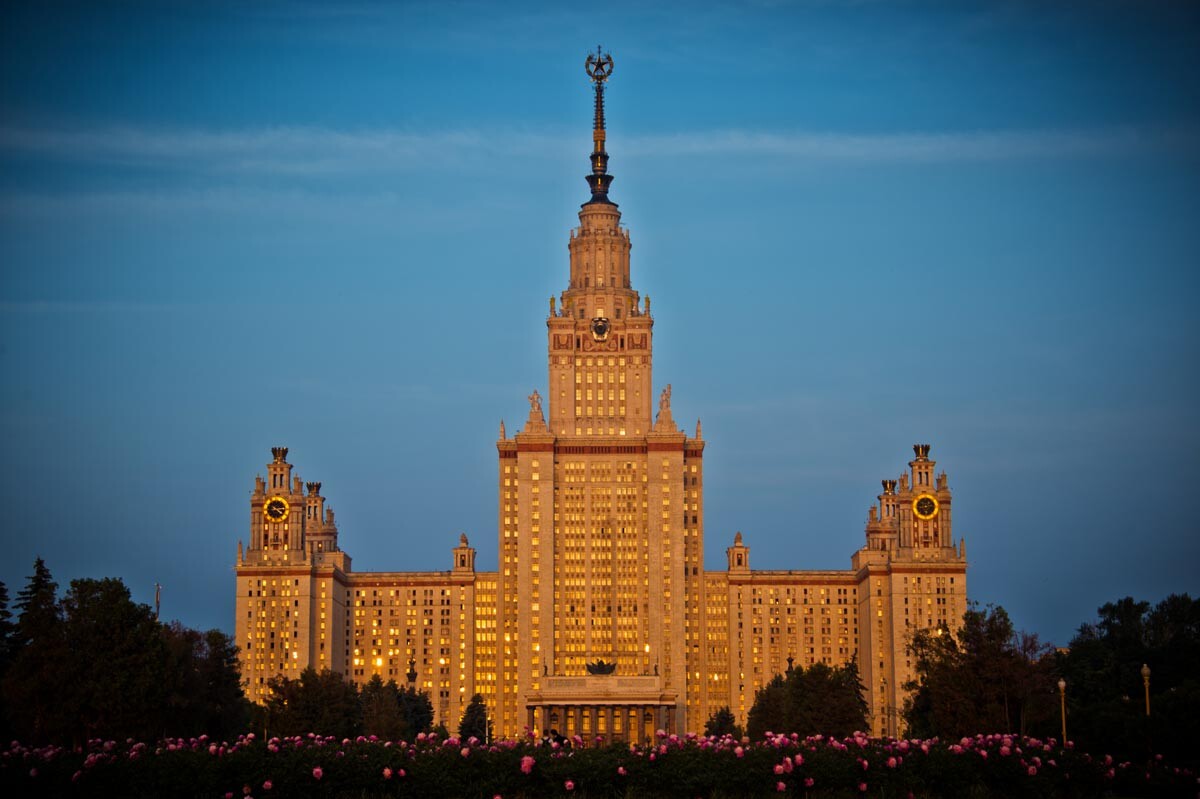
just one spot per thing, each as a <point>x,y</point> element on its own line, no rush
<point>299,152</point>
<point>911,147</point>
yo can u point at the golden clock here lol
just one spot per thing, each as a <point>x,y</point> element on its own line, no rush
<point>925,506</point>
<point>275,509</point>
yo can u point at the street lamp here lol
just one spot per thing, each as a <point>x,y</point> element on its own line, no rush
<point>1062,705</point>
<point>1146,684</point>
<point>883,700</point>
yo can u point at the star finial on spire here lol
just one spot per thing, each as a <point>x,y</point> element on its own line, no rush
<point>599,67</point>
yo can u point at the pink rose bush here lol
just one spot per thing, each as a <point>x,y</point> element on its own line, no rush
<point>670,765</point>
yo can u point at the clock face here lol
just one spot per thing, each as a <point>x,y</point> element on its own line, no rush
<point>275,509</point>
<point>600,328</point>
<point>925,506</point>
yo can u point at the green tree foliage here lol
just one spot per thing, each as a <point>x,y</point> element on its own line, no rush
<point>417,711</point>
<point>202,684</point>
<point>985,677</point>
<point>323,702</point>
<point>33,682</point>
<point>97,664</point>
<point>474,722</point>
<point>380,703</point>
<point>816,700</point>
<point>8,631</point>
<point>328,704</point>
<point>113,680</point>
<point>722,722</point>
<point>38,606</point>
<point>1105,692</point>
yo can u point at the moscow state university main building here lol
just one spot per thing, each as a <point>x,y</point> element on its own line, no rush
<point>600,618</point>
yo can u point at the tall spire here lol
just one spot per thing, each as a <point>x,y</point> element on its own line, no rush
<point>599,67</point>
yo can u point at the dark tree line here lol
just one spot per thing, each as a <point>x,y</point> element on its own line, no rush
<point>984,677</point>
<point>325,702</point>
<point>988,677</point>
<point>95,664</point>
<point>723,722</point>
<point>1106,695</point>
<point>816,700</point>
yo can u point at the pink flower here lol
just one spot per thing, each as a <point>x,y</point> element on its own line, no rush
<point>570,786</point>
<point>387,773</point>
<point>465,751</point>
<point>778,769</point>
<point>267,785</point>
<point>798,760</point>
<point>862,787</point>
<point>621,770</point>
<point>1032,771</point>
<point>317,773</point>
<point>891,762</point>
<point>780,787</point>
<point>808,782</point>
<point>740,752</point>
<point>527,764</point>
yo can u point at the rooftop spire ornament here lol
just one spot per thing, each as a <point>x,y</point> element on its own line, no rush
<point>599,66</point>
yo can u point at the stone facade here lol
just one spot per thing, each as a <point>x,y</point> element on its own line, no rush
<point>601,557</point>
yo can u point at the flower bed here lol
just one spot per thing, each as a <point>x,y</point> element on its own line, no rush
<point>684,767</point>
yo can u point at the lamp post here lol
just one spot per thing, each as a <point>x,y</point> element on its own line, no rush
<point>1062,706</point>
<point>1146,685</point>
<point>883,700</point>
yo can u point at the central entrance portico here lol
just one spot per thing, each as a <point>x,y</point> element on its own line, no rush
<point>603,706</point>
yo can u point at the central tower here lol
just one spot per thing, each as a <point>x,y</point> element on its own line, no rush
<point>599,343</point>
<point>600,507</point>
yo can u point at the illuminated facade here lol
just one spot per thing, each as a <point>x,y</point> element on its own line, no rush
<point>600,618</point>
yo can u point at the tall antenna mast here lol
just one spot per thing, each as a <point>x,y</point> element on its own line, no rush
<point>599,67</point>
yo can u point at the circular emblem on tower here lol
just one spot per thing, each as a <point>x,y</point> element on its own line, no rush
<point>925,506</point>
<point>600,328</point>
<point>275,509</point>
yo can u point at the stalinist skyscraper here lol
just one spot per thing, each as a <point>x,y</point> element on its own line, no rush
<point>600,618</point>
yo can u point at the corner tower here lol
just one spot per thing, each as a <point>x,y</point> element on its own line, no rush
<point>600,508</point>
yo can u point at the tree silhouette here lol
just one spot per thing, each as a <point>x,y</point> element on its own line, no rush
<point>984,677</point>
<point>474,722</point>
<point>380,703</point>
<point>722,722</point>
<point>816,700</point>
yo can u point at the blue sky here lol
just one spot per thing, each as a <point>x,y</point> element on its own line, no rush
<point>335,227</point>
